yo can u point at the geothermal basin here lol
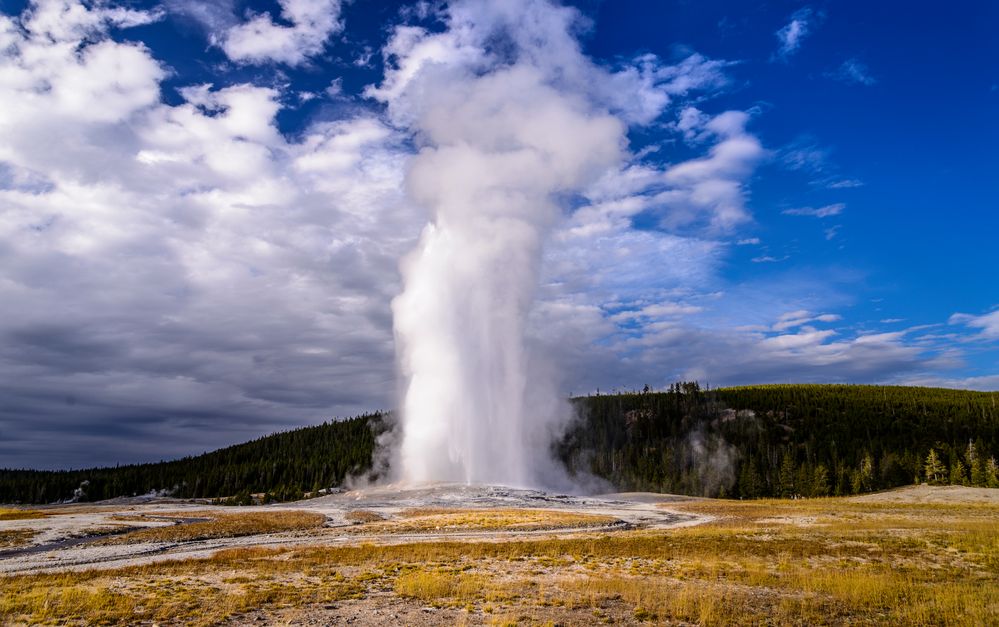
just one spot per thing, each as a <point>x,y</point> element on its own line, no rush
<point>141,530</point>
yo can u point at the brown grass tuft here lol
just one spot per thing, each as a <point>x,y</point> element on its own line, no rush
<point>13,538</point>
<point>361,516</point>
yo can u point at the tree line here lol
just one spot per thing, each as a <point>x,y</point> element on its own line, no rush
<point>785,440</point>
<point>283,466</point>
<point>741,442</point>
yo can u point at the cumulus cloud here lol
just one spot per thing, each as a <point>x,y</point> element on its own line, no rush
<point>182,276</point>
<point>659,354</point>
<point>295,35</point>
<point>179,274</point>
<point>702,194</point>
<point>310,24</point>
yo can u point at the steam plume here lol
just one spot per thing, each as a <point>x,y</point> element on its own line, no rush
<point>510,120</point>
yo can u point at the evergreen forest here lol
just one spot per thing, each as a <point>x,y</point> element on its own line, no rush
<point>741,442</point>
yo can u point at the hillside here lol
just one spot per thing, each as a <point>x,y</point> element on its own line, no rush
<point>284,464</point>
<point>775,440</point>
<point>785,440</point>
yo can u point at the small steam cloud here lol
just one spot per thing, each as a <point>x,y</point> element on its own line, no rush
<point>510,119</point>
<point>712,460</point>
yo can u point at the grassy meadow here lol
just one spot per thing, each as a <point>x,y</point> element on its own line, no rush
<point>813,561</point>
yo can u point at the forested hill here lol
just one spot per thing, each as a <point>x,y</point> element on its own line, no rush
<point>776,440</point>
<point>786,440</point>
<point>284,464</point>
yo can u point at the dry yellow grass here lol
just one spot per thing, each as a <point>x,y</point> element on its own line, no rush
<point>222,525</point>
<point>13,538</point>
<point>361,516</point>
<point>442,520</point>
<point>805,562</point>
<point>14,513</point>
<point>435,585</point>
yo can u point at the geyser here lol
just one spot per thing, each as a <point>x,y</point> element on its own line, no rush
<point>502,108</point>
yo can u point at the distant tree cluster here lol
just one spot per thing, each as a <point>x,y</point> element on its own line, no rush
<point>745,442</point>
<point>971,468</point>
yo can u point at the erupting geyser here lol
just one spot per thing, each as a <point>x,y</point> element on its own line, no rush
<point>501,107</point>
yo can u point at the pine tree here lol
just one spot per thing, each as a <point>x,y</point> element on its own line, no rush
<point>991,473</point>
<point>977,468</point>
<point>785,480</point>
<point>957,476</point>
<point>934,469</point>
<point>863,477</point>
<point>820,481</point>
<point>750,483</point>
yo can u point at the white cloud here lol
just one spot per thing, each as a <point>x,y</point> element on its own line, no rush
<point>821,212</point>
<point>688,349</point>
<point>712,186</point>
<point>854,72</point>
<point>805,155</point>
<point>801,317</point>
<point>984,383</point>
<point>749,241</point>
<point>182,270</point>
<point>261,40</point>
<point>791,35</point>
<point>845,184</point>
<point>187,273</point>
<point>988,323</point>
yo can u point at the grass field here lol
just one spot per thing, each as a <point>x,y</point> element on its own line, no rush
<point>11,513</point>
<point>822,561</point>
<point>220,525</point>
<point>443,520</point>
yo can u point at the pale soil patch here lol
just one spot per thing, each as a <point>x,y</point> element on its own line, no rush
<point>947,494</point>
<point>799,521</point>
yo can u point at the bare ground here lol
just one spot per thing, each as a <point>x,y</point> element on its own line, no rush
<point>56,544</point>
<point>917,555</point>
<point>947,494</point>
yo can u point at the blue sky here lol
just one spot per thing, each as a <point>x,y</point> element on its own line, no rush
<point>203,206</point>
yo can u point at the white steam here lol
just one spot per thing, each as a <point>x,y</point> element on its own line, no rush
<point>510,119</point>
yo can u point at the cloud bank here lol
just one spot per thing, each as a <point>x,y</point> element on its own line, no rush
<point>179,273</point>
